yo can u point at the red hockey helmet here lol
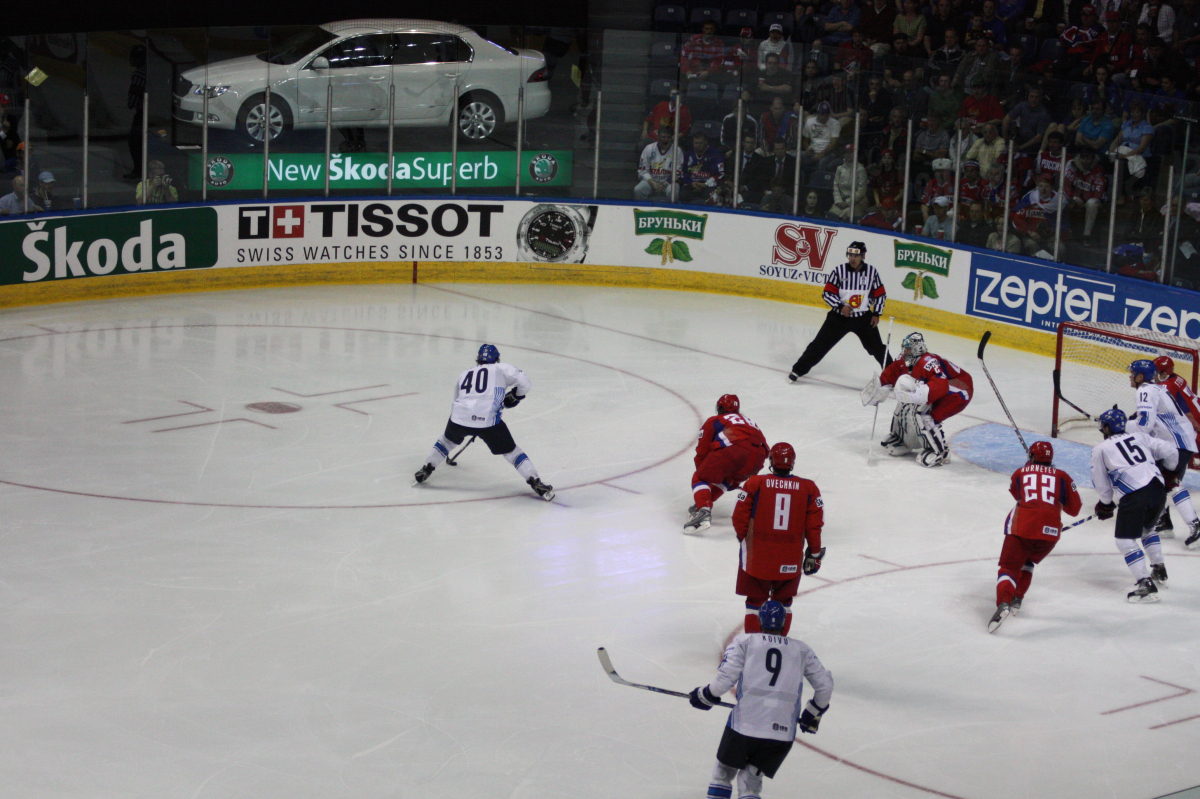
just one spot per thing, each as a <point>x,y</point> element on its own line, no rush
<point>783,457</point>
<point>729,403</point>
<point>1164,365</point>
<point>1041,452</point>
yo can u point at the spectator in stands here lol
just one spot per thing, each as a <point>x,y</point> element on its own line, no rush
<point>943,19</point>
<point>854,55</point>
<point>1143,225</point>
<point>888,180</point>
<point>876,25</point>
<point>975,229</point>
<point>938,225</point>
<point>658,167</point>
<point>1161,19</point>
<point>1104,90</point>
<point>741,60</point>
<point>876,105</point>
<point>1163,61</point>
<point>156,188</point>
<point>946,59</point>
<point>1012,77</point>
<point>663,115</point>
<point>971,187</point>
<point>776,44</point>
<point>1035,215</point>
<point>940,185</point>
<point>702,54</point>
<point>1096,131</point>
<point>812,205</point>
<point>43,195</point>
<point>849,180</point>
<point>840,98</point>
<point>775,199</point>
<point>10,137</point>
<point>774,81</point>
<point>995,240</point>
<point>1010,11</point>
<point>750,156</point>
<point>14,202</point>
<point>902,59</point>
<point>945,100</point>
<point>809,86</point>
<point>1168,99</point>
<point>988,150</point>
<point>932,144</point>
<point>1047,16</point>
<point>1085,188</point>
<point>1187,29</point>
<point>1027,122</point>
<point>1131,146</point>
<point>1049,160</point>
<point>895,135</point>
<point>1080,42</point>
<point>885,217</point>
<point>911,96</point>
<point>702,172</point>
<point>1129,54</point>
<point>1144,267</point>
<point>1069,127</point>
<point>730,122</point>
<point>983,64</point>
<point>911,22</point>
<point>979,108</point>
<point>819,147</point>
<point>841,19</point>
<point>993,24</point>
<point>777,165</point>
<point>771,124</point>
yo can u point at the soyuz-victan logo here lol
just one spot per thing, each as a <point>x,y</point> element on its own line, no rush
<point>795,244</point>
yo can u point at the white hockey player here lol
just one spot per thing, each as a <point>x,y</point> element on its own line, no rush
<point>1125,461</point>
<point>769,670</point>
<point>1158,415</point>
<point>480,395</point>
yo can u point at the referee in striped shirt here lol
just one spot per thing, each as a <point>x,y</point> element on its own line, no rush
<point>855,295</point>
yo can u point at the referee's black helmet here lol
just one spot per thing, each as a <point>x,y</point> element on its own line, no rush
<point>856,248</point>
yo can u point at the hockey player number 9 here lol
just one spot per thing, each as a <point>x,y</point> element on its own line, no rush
<point>1031,488</point>
<point>783,512</point>
<point>774,664</point>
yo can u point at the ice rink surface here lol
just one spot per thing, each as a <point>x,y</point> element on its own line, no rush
<point>203,600</point>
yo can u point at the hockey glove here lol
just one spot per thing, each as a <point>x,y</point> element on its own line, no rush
<point>1104,510</point>
<point>1170,477</point>
<point>702,698</point>
<point>812,560</point>
<point>810,719</point>
<point>512,399</point>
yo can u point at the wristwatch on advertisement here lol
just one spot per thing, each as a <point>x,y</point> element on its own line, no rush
<point>556,233</point>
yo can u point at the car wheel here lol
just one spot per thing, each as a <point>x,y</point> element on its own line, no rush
<point>254,119</point>
<point>478,116</point>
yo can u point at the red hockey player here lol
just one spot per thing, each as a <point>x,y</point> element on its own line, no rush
<point>1188,406</point>
<point>776,515</point>
<point>730,449</point>
<point>1032,529</point>
<point>929,389</point>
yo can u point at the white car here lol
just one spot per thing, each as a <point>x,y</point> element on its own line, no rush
<point>361,60</point>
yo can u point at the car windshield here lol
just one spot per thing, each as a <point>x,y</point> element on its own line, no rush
<point>298,46</point>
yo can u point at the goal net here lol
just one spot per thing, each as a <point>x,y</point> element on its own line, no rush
<point>1091,367</point>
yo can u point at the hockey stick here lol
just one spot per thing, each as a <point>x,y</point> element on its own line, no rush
<point>983,343</point>
<point>1058,393</point>
<point>886,350</point>
<point>1076,524</point>
<point>452,460</point>
<point>606,663</point>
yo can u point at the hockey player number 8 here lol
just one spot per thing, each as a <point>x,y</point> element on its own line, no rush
<point>1031,488</point>
<point>783,510</point>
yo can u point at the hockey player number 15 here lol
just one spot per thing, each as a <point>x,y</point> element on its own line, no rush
<point>480,380</point>
<point>783,512</point>
<point>1031,487</point>
<point>1130,448</point>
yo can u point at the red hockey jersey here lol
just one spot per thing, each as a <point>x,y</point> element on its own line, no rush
<point>774,518</point>
<point>1185,400</point>
<point>942,376</point>
<point>1042,492</point>
<point>726,430</point>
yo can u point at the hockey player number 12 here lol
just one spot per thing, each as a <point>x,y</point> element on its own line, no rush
<point>1031,487</point>
<point>783,512</point>
<point>481,381</point>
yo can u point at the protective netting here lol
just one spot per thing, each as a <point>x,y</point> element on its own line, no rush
<point>1094,365</point>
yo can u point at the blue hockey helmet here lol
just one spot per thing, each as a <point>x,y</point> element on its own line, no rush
<point>772,616</point>
<point>487,354</point>
<point>1145,368</point>
<point>1114,419</point>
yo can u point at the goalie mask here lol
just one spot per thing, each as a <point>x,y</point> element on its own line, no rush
<point>1164,365</point>
<point>1041,452</point>
<point>728,403</point>
<point>913,347</point>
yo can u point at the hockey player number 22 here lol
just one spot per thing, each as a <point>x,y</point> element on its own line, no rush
<point>783,512</point>
<point>1031,487</point>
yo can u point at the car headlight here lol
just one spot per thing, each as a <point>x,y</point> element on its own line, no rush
<point>213,91</point>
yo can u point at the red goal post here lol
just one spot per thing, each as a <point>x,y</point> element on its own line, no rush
<point>1091,367</point>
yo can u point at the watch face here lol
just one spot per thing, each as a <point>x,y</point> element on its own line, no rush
<point>551,234</point>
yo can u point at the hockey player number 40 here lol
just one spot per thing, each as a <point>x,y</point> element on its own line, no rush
<point>783,512</point>
<point>1031,487</point>
<point>480,381</point>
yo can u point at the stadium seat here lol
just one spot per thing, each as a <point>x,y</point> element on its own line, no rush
<point>1029,44</point>
<point>1051,51</point>
<point>703,14</point>
<point>779,18</point>
<point>670,18</point>
<point>710,128</point>
<point>740,18</point>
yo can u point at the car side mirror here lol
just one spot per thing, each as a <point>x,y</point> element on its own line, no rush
<point>320,62</point>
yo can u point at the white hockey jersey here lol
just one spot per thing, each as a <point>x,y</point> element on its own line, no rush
<point>769,672</point>
<point>479,393</point>
<point>1158,416</point>
<point>659,166</point>
<point>1126,462</point>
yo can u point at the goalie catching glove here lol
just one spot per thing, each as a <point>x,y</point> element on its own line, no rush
<point>1104,510</point>
<point>812,560</point>
<point>512,399</point>
<point>702,698</point>
<point>810,719</point>
<point>874,392</point>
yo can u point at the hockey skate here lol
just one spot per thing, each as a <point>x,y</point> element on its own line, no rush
<point>999,616</point>
<point>894,445</point>
<point>932,458</point>
<point>793,377</point>
<point>1165,527</point>
<point>423,474</point>
<point>701,520</point>
<point>1193,540</point>
<point>1146,591</point>
<point>544,491</point>
<point>1158,573</point>
<point>1015,606</point>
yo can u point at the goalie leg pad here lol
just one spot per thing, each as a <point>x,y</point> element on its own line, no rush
<point>933,440</point>
<point>905,435</point>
